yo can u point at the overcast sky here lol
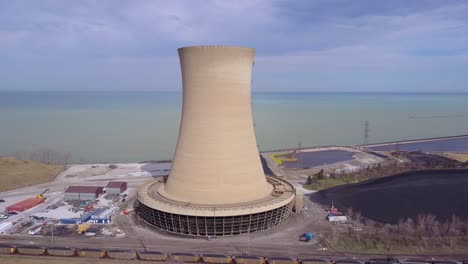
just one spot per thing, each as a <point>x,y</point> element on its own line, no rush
<point>323,45</point>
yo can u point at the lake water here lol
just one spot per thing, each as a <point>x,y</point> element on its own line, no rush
<point>135,126</point>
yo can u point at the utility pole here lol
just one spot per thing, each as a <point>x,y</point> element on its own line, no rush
<point>366,132</point>
<point>52,231</point>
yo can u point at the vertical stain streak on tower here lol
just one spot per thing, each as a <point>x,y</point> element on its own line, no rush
<point>216,186</point>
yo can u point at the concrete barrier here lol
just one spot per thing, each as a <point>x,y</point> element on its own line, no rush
<point>61,251</point>
<point>184,257</point>
<point>213,258</point>
<point>249,260</point>
<point>314,261</point>
<point>91,253</point>
<point>121,254</point>
<point>31,250</point>
<point>282,260</point>
<point>152,255</point>
<point>7,249</point>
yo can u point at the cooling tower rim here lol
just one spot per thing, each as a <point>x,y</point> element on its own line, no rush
<point>149,197</point>
<point>213,47</point>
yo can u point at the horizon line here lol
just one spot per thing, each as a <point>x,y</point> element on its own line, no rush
<point>253,92</point>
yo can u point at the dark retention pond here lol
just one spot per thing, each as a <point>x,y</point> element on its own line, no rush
<point>442,193</point>
<point>317,158</point>
<point>450,144</point>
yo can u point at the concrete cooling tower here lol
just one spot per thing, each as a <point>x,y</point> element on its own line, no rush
<point>216,186</point>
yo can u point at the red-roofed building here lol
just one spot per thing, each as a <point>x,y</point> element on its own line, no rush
<point>116,187</point>
<point>82,193</point>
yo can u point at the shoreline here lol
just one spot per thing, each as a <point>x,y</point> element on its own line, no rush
<point>387,143</point>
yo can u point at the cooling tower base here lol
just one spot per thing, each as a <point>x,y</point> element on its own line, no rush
<point>220,220</point>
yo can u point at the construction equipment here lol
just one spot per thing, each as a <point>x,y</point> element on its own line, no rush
<point>41,195</point>
<point>83,228</point>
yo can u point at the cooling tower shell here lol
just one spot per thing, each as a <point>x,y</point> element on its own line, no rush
<point>216,173</point>
<point>216,160</point>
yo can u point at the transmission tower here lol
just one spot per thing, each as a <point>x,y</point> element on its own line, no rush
<point>366,132</point>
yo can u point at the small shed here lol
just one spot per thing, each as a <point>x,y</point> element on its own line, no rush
<point>82,193</point>
<point>116,187</point>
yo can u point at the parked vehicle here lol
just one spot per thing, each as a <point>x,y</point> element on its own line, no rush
<point>306,237</point>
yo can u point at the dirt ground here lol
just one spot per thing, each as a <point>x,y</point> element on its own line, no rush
<point>462,157</point>
<point>16,173</point>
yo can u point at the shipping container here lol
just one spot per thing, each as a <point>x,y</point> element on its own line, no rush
<point>152,255</point>
<point>24,205</point>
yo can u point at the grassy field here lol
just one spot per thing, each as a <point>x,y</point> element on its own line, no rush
<point>463,157</point>
<point>20,173</point>
<point>379,244</point>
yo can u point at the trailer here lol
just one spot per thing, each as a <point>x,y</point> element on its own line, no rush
<point>24,205</point>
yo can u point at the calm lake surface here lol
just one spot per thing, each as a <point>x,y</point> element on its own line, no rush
<point>136,126</point>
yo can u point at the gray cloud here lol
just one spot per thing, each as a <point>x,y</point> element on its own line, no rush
<point>304,45</point>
